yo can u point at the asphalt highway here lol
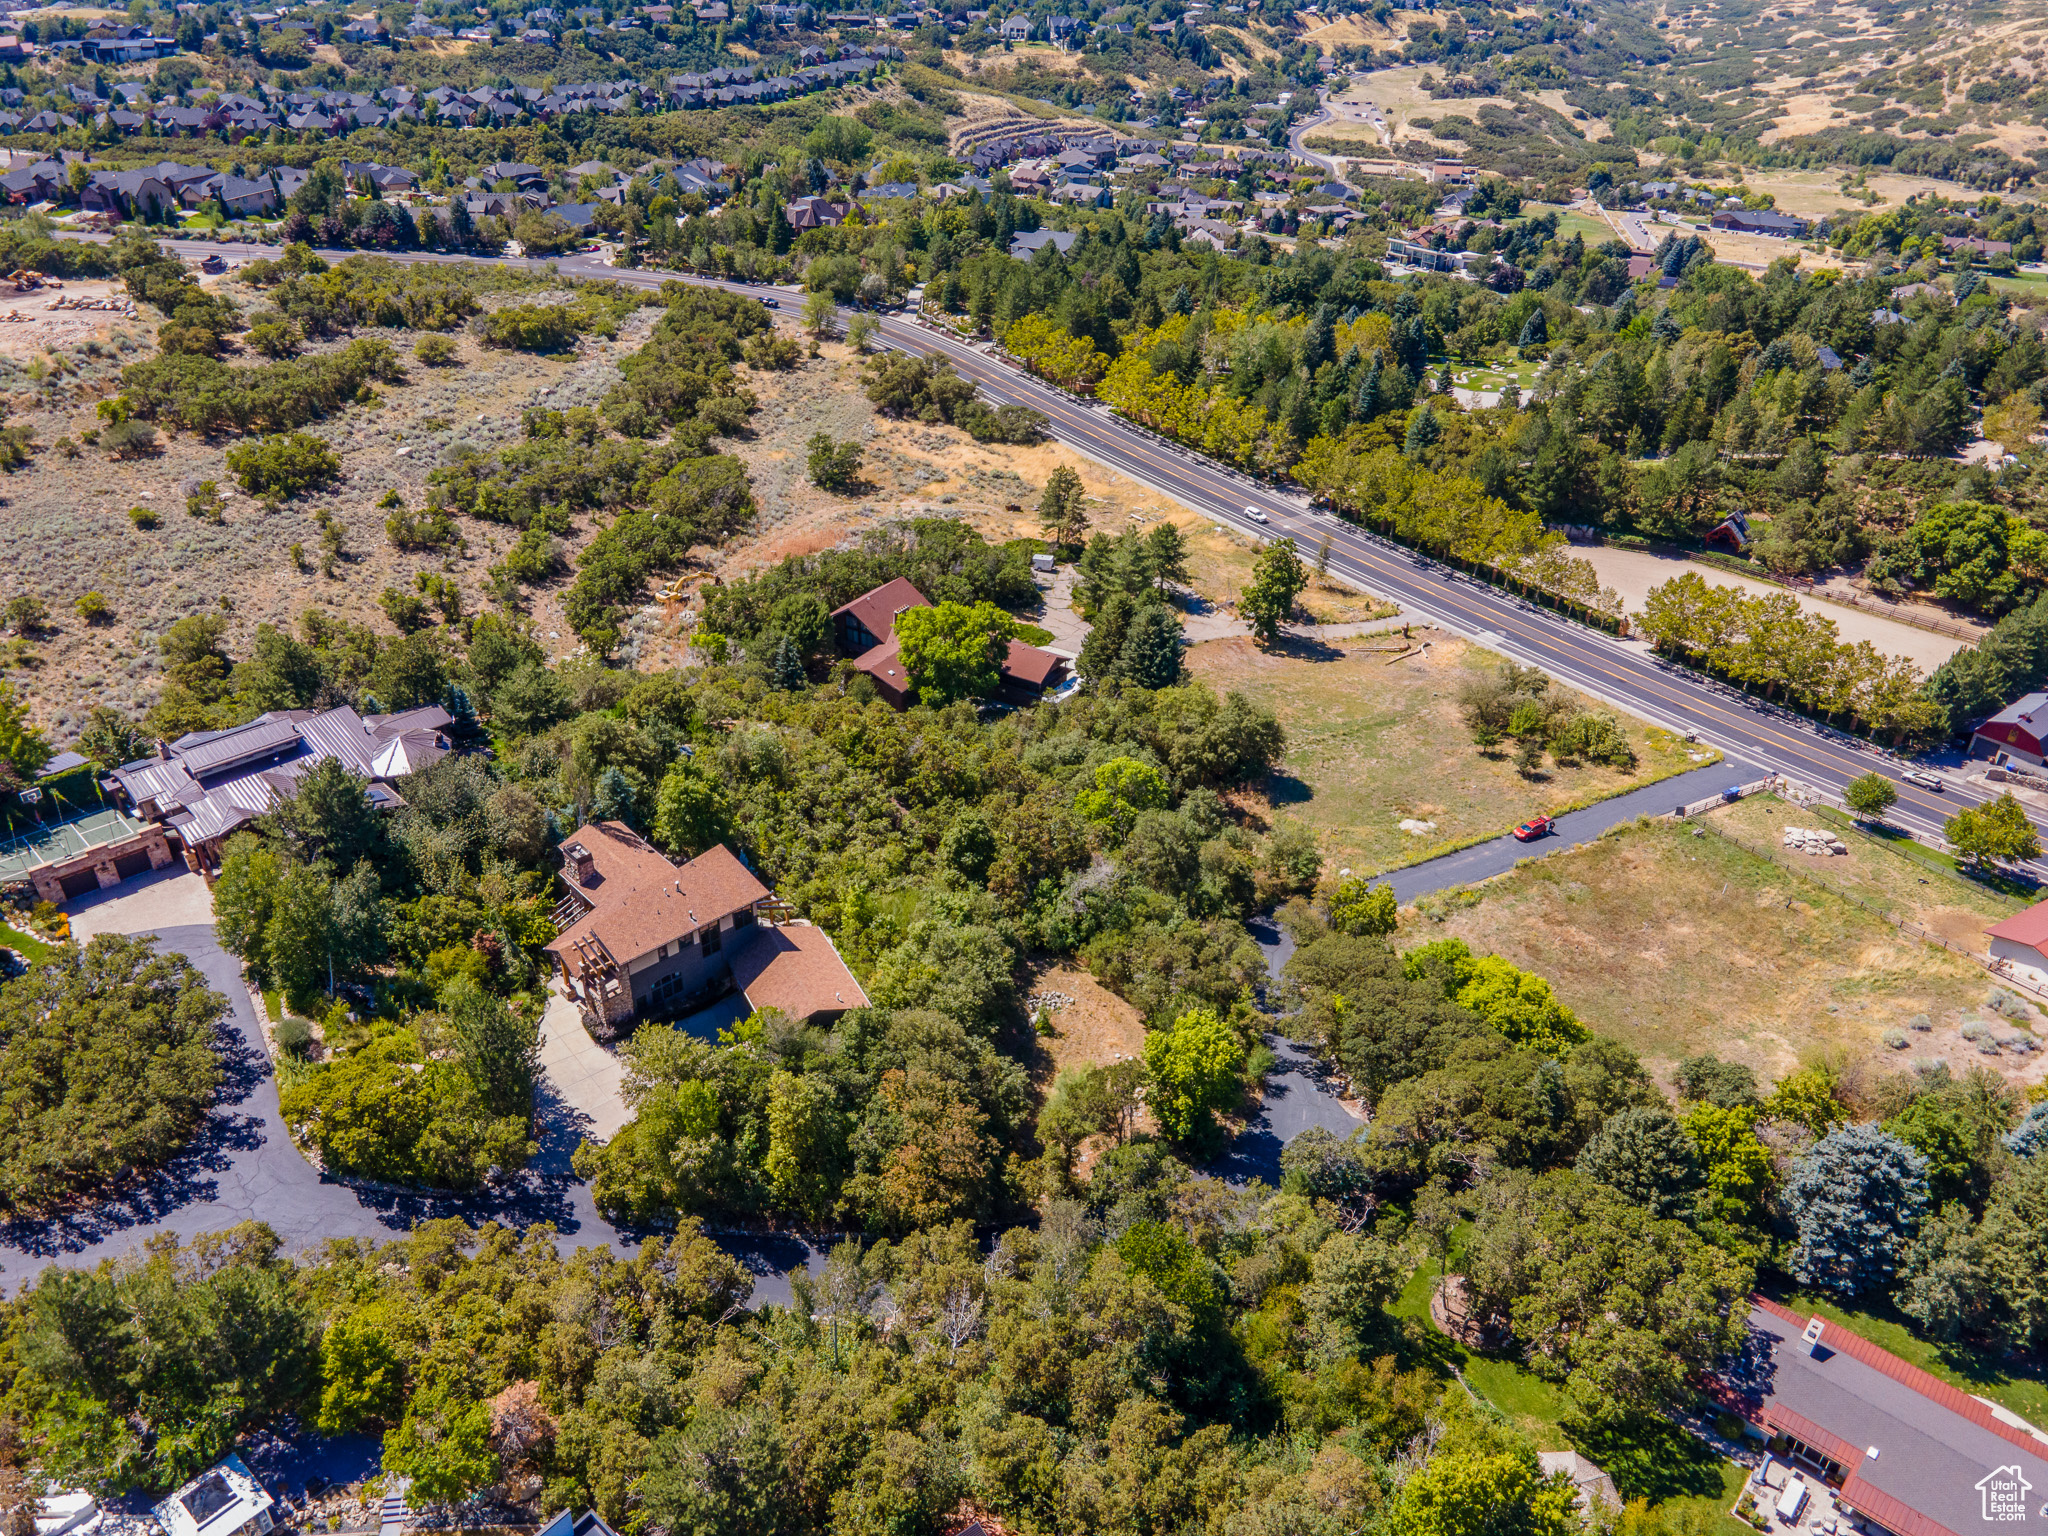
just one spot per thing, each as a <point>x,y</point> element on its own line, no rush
<point>1755,735</point>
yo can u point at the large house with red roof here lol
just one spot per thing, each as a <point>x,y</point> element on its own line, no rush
<point>638,935</point>
<point>1891,1445</point>
<point>865,629</point>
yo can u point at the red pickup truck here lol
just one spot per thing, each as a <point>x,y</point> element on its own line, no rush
<point>1533,828</point>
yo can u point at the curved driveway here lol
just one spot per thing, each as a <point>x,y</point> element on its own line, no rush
<point>244,1167</point>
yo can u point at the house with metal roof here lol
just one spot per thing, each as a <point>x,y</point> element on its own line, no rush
<point>1885,1443</point>
<point>2021,941</point>
<point>208,784</point>
<point>2020,729</point>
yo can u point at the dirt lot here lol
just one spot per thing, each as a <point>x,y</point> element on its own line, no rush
<point>1681,943</point>
<point>1374,742</point>
<point>1091,1025</point>
<point>47,318</point>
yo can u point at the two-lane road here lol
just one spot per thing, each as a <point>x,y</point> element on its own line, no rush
<point>1624,674</point>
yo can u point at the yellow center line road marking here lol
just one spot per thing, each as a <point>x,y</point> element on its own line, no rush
<point>1663,693</point>
<point>1639,686</point>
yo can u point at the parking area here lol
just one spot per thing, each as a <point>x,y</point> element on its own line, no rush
<point>588,1078</point>
<point>149,903</point>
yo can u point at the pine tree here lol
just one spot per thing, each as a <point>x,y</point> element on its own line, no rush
<point>1318,340</point>
<point>1423,429</point>
<point>1371,398</point>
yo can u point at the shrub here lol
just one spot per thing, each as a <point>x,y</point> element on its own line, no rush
<point>26,615</point>
<point>276,339</point>
<point>94,608</point>
<point>283,466</point>
<point>772,352</point>
<point>203,394</point>
<point>130,440</point>
<point>833,466</point>
<point>432,528</point>
<point>294,1035</point>
<point>403,609</point>
<point>143,517</point>
<point>435,351</point>
<point>532,327</point>
<point>205,501</point>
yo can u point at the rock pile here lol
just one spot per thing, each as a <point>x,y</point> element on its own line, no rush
<point>1813,841</point>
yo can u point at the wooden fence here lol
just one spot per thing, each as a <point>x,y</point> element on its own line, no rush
<point>1742,792</point>
<point>1999,968</point>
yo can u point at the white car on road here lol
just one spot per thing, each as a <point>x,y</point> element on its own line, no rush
<point>1256,515</point>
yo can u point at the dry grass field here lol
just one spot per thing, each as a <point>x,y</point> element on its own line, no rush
<point>1682,939</point>
<point>1374,742</point>
<point>67,528</point>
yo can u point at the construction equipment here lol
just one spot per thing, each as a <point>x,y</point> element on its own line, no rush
<point>214,264</point>
<point>24,280</point>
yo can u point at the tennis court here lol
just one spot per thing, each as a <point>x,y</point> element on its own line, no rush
<point>51,844</point>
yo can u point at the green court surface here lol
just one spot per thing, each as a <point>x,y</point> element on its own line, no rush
<point>48,845</point>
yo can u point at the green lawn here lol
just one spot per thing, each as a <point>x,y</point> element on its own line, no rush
<point>1375,739</point>
<point>33,949</point>
<point>1659,1462</point>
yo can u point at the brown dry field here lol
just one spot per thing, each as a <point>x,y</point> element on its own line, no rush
<point>1374,739</point>
<point>67,529</point>
<point>1680,944</point>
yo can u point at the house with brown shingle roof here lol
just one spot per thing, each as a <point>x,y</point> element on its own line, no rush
<point>866,630</point>
<point>796,968</point>
<point>640,935</point>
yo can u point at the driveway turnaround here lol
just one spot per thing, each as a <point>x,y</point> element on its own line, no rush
<point>1482,861</point>
<point>243,1166</point>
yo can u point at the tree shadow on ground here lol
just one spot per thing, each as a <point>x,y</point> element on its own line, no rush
<point>1651,1458</point>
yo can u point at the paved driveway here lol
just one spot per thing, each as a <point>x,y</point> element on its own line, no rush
<point>161,899</point>
<point>1297,1093</point>
<point>587,1077</point>
<point>1482,861</point>
<point>243,1167</point>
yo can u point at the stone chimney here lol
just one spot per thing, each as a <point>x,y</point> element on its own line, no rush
<point>578,864</point>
